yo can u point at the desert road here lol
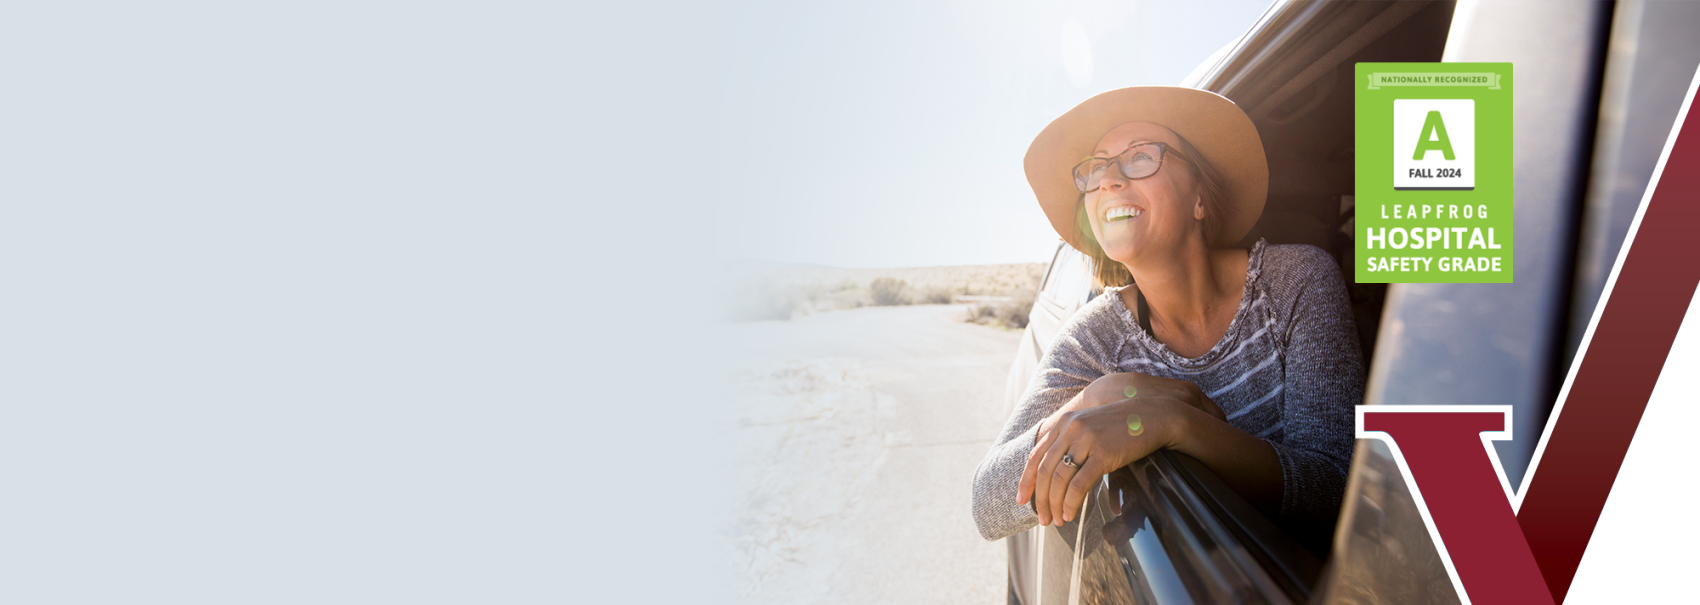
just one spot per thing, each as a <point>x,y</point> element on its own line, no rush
<point>857,436</point>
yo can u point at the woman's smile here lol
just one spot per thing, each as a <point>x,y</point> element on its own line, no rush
<point>1122,212</point>
<point>1123,218</point>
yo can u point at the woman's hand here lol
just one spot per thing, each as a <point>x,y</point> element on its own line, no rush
<point>1116,387</point>
<point>1111,388</point>
<point>1061,488</point>
<point>1098,439</point>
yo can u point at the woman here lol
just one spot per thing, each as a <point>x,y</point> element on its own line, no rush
<point>1246,360</point>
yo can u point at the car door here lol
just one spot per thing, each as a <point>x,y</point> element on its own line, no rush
<point>1066,286</point>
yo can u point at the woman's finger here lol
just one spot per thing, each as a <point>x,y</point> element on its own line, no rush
<point>1042,483</point>
<point>1079,486</point>
<point>1061,474</point>
<point>1044,474</point>
<point>1029,474</point>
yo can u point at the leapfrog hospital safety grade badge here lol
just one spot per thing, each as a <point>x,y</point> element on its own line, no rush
<point>1433,173</point>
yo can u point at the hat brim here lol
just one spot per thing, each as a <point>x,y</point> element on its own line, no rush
<point>1215,126</point>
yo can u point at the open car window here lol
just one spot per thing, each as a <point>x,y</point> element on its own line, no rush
<point>1069,281</point>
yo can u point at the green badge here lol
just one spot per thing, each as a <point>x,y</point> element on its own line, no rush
<point>1432,201</point>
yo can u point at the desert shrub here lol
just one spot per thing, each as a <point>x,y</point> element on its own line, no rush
<point>888,291</point>
<point>1011,313</point>
<point>1017,310</point>
<point>844,298</point>
<point>935,295</point>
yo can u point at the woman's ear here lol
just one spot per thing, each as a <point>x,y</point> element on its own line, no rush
<point>1198,208</point>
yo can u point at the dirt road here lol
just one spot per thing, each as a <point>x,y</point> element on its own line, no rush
<point>857,439</point>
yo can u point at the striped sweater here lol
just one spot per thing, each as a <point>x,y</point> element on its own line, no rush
<point>1287,371</point>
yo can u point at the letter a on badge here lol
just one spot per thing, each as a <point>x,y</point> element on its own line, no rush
<point>1433,138</point>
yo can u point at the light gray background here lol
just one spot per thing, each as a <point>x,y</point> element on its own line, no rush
<point>353,303</point>
<point>406,302</point>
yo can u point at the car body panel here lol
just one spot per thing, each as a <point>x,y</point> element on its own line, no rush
<point>1066,286</point>
<point>1651,58</point>
<point>1500,343</point>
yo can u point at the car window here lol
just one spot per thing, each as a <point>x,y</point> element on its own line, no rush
<point>1070,281</point>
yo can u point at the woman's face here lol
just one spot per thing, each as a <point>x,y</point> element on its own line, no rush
<point>1161,211</point>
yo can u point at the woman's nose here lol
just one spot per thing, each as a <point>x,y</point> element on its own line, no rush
<point>1112,178</point>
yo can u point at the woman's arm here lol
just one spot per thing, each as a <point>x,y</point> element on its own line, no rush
<point>1324,383</point>
<point>1298,479</point>
<point>1083,350</point>
<point>1073,377</point>
<point>1111,388</point>
<point>1247,464</point>
<point>1163,413</point>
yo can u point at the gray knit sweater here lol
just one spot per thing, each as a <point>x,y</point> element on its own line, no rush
<point>1288,371</point>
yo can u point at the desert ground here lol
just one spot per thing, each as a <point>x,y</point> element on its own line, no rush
<point>858,432</point>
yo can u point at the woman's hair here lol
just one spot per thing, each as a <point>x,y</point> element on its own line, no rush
<point>1211,187</point>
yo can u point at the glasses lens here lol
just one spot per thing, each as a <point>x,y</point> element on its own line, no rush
<point>1141,161</point>
<point>1087,173</point>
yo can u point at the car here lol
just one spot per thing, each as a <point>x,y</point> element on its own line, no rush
<point>1598,87</point>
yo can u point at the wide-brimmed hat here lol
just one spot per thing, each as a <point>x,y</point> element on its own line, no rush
<point>1215,126</point>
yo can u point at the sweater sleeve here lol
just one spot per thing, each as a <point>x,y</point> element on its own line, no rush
<point>1324,382</point>
<point>1083,351</point>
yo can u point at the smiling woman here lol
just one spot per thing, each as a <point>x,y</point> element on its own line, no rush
<point>1146,156</point>
<point>1246,360</point>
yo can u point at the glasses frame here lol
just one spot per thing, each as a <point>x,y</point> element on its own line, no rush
<point>1121,161</point>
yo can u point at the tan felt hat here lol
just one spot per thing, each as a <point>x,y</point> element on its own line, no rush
<point>1213,124</point>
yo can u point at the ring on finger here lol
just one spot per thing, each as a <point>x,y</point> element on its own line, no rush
<point>1069,460</point>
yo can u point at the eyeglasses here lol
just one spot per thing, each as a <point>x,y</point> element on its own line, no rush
<point>1141,160</point>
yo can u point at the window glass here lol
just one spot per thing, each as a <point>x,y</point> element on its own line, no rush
<point>1070,283</point>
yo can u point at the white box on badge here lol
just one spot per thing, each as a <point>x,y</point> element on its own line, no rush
<point>1434,144</point>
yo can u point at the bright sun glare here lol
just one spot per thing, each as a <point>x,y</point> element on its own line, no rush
<point>1077,54</point>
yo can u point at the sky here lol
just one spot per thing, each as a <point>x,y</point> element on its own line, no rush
<point>891,134</point>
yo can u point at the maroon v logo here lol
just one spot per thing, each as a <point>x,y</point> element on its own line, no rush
<point>1464,495</point>
<point>1501,548</point>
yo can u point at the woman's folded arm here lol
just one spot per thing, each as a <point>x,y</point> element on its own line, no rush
<point>1324,383</point>
<point>1083,351</point>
